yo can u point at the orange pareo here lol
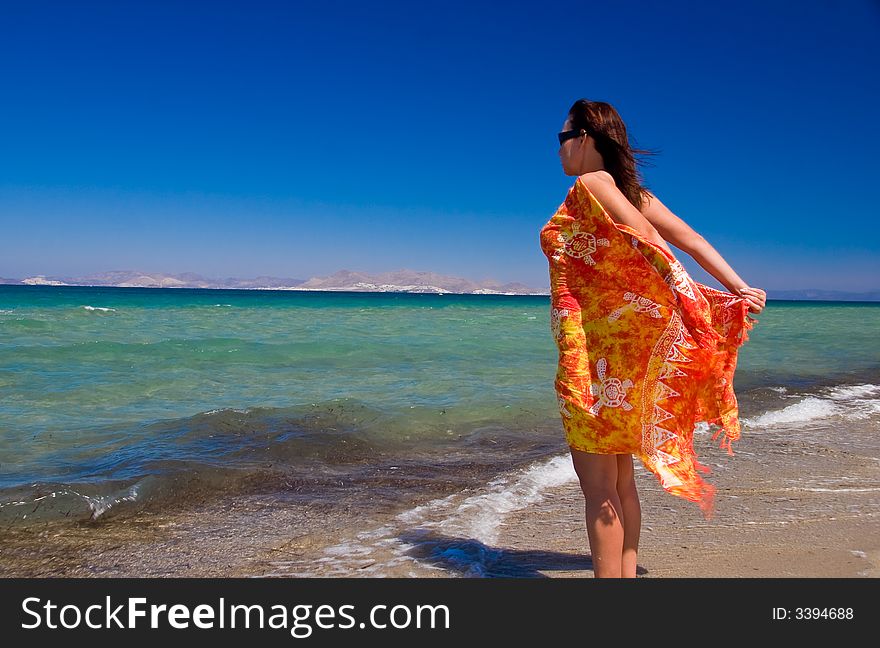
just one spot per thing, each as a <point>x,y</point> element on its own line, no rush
<point>645,352</point>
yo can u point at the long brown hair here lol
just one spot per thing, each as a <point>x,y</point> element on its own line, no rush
<point>603,123</point>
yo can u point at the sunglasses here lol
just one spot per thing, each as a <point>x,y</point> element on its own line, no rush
<point>564,136</point>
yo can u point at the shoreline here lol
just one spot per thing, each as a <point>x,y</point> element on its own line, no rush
<point>799,497</point>
<point>784,508</point>
<point>545,540</point>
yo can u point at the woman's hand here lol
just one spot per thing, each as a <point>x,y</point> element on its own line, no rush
<point>755,298</point>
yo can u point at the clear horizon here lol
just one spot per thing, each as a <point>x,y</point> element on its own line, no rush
<point>295,140</point>
<point>874,294</point>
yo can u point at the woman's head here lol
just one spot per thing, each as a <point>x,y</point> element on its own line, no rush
<point>599,141</point>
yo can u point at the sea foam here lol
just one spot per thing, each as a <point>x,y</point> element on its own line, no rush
<point>467,524</point>
<point>850,402</point>
<point>480,515</point>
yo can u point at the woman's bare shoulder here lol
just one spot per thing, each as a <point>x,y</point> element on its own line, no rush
<point>600,183</point>
<point>597,176</point>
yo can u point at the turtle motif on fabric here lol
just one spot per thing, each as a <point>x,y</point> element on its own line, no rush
<point>580,245</point>
<point>637,303</point>
<point>611,391</point>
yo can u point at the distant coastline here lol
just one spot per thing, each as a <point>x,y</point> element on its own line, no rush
<point>344,280</point>
<point>406,281</point>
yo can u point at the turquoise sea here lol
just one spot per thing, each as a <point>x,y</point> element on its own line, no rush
<point>119,400</point>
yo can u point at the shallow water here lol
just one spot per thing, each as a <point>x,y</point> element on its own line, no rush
<point>119,403</point>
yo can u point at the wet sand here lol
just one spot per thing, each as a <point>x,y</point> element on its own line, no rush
<point>784,508</point>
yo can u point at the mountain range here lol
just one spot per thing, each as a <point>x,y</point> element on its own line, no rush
<point>349,280</point>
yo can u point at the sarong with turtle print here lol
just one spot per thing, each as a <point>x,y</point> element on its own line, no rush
<point>645,352</point>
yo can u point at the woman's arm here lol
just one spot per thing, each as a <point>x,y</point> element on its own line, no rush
<point>621,210</point>
<point>682,236</point>
<point>656,222</point>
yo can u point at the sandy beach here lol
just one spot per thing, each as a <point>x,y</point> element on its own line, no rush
<point>749,538</point>
<point>784,508</point>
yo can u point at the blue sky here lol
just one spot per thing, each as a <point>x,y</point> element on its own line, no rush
<point>298,138</point>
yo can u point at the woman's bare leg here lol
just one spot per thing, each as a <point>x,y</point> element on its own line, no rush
<point>632,514</point>
<point>598,478</point>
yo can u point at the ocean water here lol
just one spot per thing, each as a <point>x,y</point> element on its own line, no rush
<point>120,400</point>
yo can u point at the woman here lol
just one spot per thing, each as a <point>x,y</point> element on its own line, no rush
<point>645,352</point>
